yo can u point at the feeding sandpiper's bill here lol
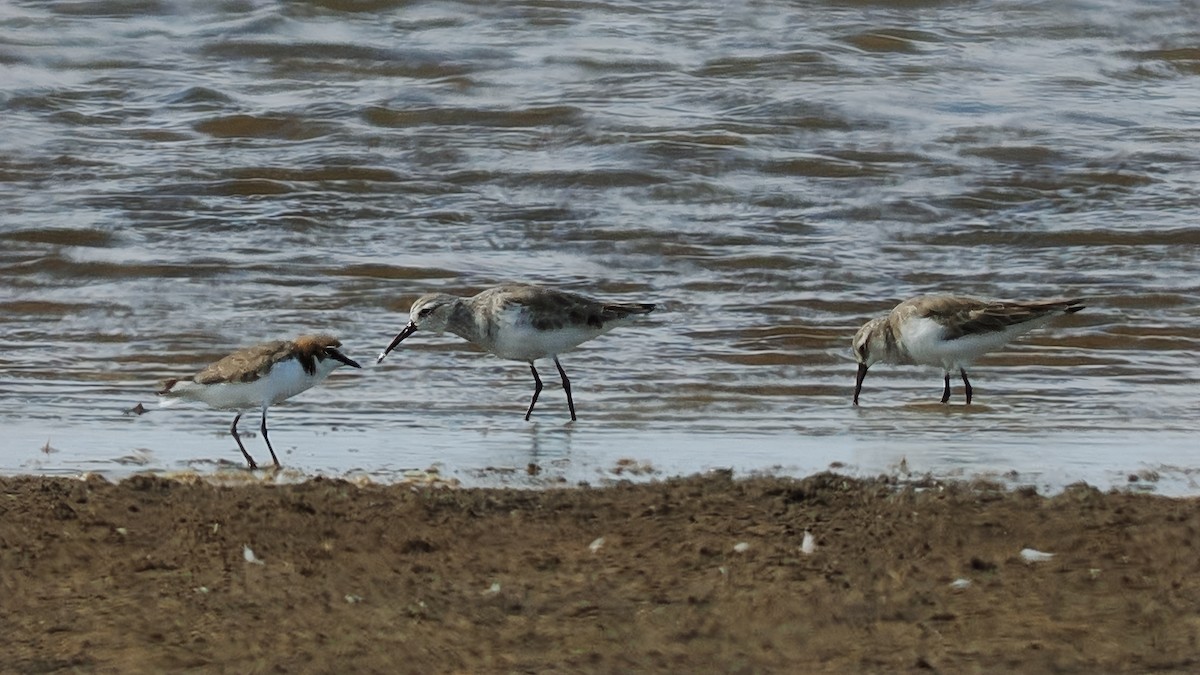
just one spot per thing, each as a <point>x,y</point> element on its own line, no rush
<point>520,322</point>
<point>260,376</point>
<point>949,332</point>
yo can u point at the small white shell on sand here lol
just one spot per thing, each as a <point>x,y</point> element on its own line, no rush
<point>1030,555</point>
<point>248,554</point>
<point>809,543</point>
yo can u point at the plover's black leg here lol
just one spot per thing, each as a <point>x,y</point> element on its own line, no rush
<point>946,391</point>
<point>566,387</point>
<point>233,430</point>
<point>537,389</point>
<point>966,383</point>
<point>264,433</point>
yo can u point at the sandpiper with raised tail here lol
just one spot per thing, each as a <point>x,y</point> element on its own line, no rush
<point>520,322</point>
<point>949,332</point>
<point>260,376</point>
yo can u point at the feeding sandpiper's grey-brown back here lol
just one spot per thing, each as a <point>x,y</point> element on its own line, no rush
<point>520,322</point>
<point>260,376</point>
<point>950,332</point>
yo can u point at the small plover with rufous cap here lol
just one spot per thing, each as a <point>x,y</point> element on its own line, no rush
<point>950,332</point>
<point>260,376</point>
<point>520,322</point>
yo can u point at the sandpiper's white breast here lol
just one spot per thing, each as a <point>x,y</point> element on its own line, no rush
<point>514,336</point>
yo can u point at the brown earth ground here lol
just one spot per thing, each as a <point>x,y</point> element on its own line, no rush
<point>702,574</point>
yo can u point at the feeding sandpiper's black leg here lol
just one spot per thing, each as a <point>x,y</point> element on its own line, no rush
<point>233,430</point>
<point>537,389</point>
<point>946,391</point>
<point>566,387</point>
<point>966,383</point>
<point>264,433</point>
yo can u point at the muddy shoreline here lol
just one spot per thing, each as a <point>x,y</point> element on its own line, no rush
<point>705,573</point>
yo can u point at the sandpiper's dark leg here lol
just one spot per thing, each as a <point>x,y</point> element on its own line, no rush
<point>233,430</point>
<point>537,389</point>
<point>966,383</point>
<point>264,432</point>
<point>946,391</point>
<point>566,387</point>
<point>862,373</point>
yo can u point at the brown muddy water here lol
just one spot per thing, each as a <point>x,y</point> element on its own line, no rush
<point>180,179</point>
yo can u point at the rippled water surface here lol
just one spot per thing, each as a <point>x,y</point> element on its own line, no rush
<point>181,179</point>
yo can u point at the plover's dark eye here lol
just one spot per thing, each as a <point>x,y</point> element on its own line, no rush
<point>425,311</point>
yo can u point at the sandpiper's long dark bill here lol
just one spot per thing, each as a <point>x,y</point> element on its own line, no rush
<point>520,322</point>
<point>949,332</point>
<point>260,376</point>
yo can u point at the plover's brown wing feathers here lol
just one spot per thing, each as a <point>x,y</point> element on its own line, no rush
<point>246,365</point>
<point>969,316</point>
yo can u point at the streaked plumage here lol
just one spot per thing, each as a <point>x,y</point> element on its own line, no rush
<point>520,322</point>
<point>260,376</point>
<point>949,332</point>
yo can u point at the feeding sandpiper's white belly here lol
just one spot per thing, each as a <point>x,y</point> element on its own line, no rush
<point>927,343</point>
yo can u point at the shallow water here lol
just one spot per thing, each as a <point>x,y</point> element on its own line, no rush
<point>181,179</point>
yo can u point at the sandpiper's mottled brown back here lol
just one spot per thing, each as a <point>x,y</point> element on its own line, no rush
<point>554,310</point>
<point>970,316</point>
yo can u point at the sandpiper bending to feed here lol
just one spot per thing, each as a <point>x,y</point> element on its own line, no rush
<point>520,322</point>
<point>262,375</point>
<point>949,332</point>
